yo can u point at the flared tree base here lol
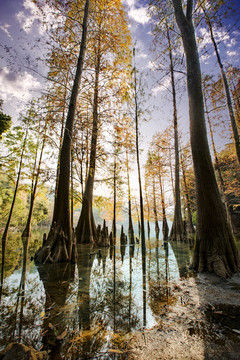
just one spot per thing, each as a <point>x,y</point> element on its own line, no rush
<point>217,255</point>
<point>56,248</point>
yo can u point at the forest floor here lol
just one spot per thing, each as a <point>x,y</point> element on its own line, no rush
<point>201,321</point>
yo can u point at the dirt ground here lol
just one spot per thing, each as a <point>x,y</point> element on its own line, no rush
<point>202,321</point>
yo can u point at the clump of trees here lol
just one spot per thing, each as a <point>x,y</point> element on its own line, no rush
<point>84,133</point>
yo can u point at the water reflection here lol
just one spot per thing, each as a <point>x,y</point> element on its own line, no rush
<point>56,279</point>
<point>84,311</point>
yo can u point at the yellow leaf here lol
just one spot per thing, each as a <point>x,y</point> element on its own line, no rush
<point>115,351</point>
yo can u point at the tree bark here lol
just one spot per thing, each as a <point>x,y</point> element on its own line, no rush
<point>165,228</point>
<point>217,165</point>
<point>59,244</point>
<point>155,209</point>
<point>138,160</point>
<point>130,222</point>
<point>190,227</point>
<point>86,228</point>
<point>177,231</point>
<point>215,248</point>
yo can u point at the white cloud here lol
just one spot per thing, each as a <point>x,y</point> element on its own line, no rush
<point>5,28</point>
<point>142,55</point>
<point>152,65</point>
<point>17,85</point>
<point>232,53</point>
<point>162,87</point>
<point>220,35</point>
<point>130,3</point>
<point>32,14</point>
<point>26,20</point>
<point>232,42</point>
<point>204,58</point>
<point>139,15</point>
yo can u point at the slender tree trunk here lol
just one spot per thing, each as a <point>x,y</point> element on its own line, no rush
<point>86,229</point>
<point>215,248</point>
<point>148,212</point>
<point>114,201</point>
<point>177,231</point>
<point>190,227</point>
<point>130,223</point>
<point>227,90</point>
<point>138,160</point>
<point>155,209</point>
<point>165,228</point>
<point>5,233</point>
<point>171,173</point>
<point>27,230</point>
<point>59,244</point>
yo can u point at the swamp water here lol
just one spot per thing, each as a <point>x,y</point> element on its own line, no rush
<point>88,310</point>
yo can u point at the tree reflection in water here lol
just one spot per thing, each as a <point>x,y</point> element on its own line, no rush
<point>81,312</point>
<point>56,279</point>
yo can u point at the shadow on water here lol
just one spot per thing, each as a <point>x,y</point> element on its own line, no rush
<point>88,311</point>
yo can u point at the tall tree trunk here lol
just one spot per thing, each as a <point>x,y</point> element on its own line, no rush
<point>165,228</point>
<point>72,207</point>
<point>5,233</point>
<point>177,231</point>
<point>155,209</point>
<point>114,201</point>
<point>218,168</point>
<point>86,229</point>
<point>148,212</point>
<point>130,223</point>
<point>27,230</point>
<point>138,159</point>
<point>190,227</point>
<point>226,87</point>
<point>61,138</point>
<point>215,248</point>
<point>171,173</point>
<point>59,244</point>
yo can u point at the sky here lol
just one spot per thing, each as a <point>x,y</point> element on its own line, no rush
<point>22,77</point>
<point>20,32</point>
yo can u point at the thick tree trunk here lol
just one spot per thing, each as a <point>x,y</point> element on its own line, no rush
<point>60,243</point>
<point>217,166</point>
<point>177,231</point>
<point>215,248</point>
<point>86,228</point>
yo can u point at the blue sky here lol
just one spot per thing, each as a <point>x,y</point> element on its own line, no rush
<point>20,32</point>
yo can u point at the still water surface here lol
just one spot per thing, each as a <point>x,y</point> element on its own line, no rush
<point>87,310</point>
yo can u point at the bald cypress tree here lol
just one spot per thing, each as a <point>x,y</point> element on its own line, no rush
<point>215,249</point>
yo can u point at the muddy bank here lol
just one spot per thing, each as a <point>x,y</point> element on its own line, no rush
<point>201,321</point>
